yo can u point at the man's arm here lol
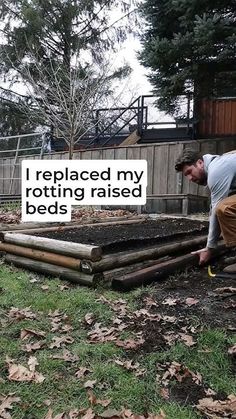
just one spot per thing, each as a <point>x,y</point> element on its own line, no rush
<point>220,177</point>
<point>214,229</point>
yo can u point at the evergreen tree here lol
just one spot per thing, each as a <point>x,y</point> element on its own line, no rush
<point>190,46</point>
<point>57,50</point>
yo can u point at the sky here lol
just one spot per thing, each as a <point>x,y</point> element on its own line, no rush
<point>139,73</point>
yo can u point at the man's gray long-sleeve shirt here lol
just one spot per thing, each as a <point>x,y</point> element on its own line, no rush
<point>221,181</point>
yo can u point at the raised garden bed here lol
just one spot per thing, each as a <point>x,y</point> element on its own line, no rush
<point>123,253</point>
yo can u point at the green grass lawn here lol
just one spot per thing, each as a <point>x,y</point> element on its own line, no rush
<point>80,363</point>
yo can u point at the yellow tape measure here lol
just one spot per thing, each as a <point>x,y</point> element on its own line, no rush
<point>210,274</point>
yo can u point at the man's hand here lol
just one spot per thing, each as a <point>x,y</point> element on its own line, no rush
<point>204,255</point>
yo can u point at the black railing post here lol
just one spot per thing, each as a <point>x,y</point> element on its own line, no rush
<point>146,117</point>
<point>188,108</point>
<point>139,119</point>
<point>97,122</point>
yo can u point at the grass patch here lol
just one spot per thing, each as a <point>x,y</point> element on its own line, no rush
<point>126,388</point>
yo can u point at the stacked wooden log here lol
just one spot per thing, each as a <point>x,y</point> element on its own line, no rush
<point>85,264</point>
<point>56,257</point>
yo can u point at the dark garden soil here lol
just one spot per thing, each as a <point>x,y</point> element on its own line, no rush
<point>131,236</point>
<point>213,303</point>
<point>187,304</point>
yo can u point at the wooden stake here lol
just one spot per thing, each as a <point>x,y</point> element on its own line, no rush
<point>58,271</point>
<point>56,246</point>
<point>53,258</point>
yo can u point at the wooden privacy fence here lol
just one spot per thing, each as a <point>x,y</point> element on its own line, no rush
<point>162,177</point>
<point>217,117</point>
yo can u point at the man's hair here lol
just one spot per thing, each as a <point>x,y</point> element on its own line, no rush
<point>189,157</point>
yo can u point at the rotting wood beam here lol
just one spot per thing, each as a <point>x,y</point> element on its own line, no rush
<point>79,250</point>
<point>89,220</point>
<point>158,271</point>
<point>48,257</point>
<point>57,271</point>
<point>117,260</point>
<point>12,227</point>
<point>153,273</point>
<point>108,276</point>
<point>75,226</point>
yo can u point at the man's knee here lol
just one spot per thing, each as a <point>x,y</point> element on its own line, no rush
<point>226,207</point>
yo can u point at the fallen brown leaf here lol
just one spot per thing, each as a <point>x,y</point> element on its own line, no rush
<point>179,372</point>
<point>104,402</point>
<point>130,343</point>
<point>164,392</point>
<point>191,301</point>
<point>82,371</point>
<point>111,413</point>
<point>169,319</point>
<point>61,340</point>
<point>161,415</point>
<point>170,338</point>
<point>63,287</point>
<point>32,347</point>
<point>18,372</point>
<point>232,350</point>
<point>101,334</point>
<point>117,321</point>
<point>21,313</point>
<point>47,402</point>
<point>73,414</point>
<point>65,328</point>
<point>209,392</point>
<point>93,400</point>
<point>150,302</point>
<point>90,383</point>
<point>33,280</point>
<point>170,301</point>
<point>89,318</point>
<point>218,408</point>
<point>6,404</point>
<point>66,356</point>
<point>187,339</point>
<point>27,333</point>
<point>131,366</point>
<point>89,414</point>
<point>44,287</point>
<point>49,415</point>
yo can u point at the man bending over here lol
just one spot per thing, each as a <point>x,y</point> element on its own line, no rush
<point>219,174</point>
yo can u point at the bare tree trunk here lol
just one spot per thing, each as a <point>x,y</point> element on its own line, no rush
<point>71,148</point>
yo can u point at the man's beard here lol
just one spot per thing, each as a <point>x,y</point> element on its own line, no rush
<point>202,181</point>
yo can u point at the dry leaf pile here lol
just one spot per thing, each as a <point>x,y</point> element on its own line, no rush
<point>21,313</point>
<point>143,317</point>
<point>176,371</point>
<point>14,216</point>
